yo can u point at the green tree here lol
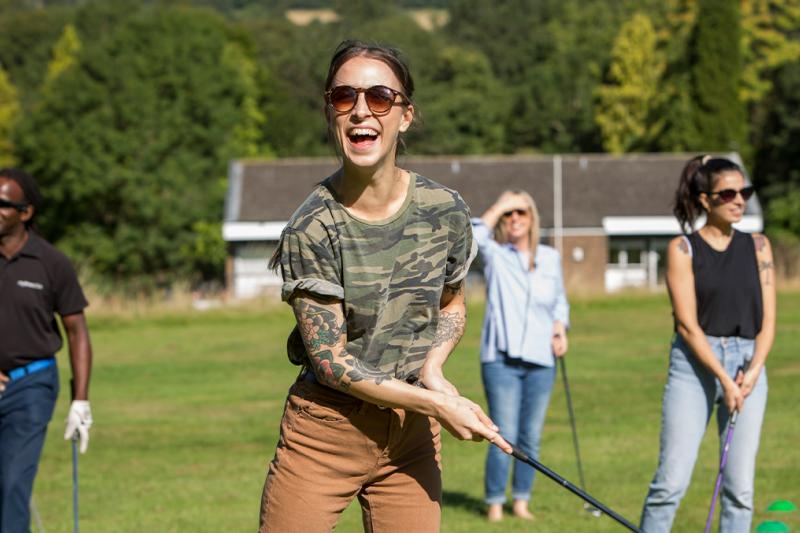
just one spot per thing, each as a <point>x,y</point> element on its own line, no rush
<point>465,106</point>
<point>356,12</point>
<point>551,54</point>
<point>248,138</point>
<point>26,45</point>
<point>9,116</point>
<point>769,40</point>
<point>777,162</point>
<point>65,54</point>
<point>718,112</point>
<point>626,104</point>
<point>132,143</point>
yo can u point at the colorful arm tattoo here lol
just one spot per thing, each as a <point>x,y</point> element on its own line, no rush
<point>322,329</point>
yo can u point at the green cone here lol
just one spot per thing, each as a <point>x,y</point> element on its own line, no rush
<point>772,526</point>
<point>782,506</point>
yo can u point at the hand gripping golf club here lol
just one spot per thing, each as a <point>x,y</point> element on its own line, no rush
<point>522,456</point>
<point>594,511</point>
<point>722,462</point>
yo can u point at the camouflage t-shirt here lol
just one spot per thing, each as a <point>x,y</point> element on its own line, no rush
<point>388,274</point>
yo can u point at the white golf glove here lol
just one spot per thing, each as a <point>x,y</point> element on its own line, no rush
<point>79,419</point>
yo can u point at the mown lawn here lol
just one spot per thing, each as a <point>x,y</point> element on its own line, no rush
<point>187,404</point>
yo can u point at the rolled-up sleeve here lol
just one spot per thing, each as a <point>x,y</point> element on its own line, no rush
<point>308,265</point>
<point>463,250</point>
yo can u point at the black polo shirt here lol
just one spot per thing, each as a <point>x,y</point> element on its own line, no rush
<point>34,284</point>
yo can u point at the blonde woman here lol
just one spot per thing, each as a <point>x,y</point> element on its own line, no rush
<point>524,330</point>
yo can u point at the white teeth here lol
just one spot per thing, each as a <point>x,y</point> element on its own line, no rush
<point>363,131</point>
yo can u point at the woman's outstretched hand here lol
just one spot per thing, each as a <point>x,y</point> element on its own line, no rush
<point>465,420</point>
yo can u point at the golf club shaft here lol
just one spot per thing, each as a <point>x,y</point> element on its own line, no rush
<point>75,482</point>
<point>722,462</point>
<point>563,366</point>
<point>522,456</point>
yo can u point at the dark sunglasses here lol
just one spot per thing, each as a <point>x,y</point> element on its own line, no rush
<point>5,204</point>
<point>380,98</point>
<point>729,195</point>
<point>519,212</point>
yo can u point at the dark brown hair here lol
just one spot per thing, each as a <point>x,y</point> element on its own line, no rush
<point>391,56</point>
<point>698,176</point>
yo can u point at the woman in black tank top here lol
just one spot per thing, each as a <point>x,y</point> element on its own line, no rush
<point>721,284</point>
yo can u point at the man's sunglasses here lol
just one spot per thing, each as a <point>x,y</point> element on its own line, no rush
<point>519,212</point>
<point>729,195</point>
<point>5,204</point>
<point>380,98</point>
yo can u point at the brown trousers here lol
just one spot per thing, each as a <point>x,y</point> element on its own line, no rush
<point>334,447</point>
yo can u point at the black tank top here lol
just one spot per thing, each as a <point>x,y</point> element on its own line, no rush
<point>727,286</point>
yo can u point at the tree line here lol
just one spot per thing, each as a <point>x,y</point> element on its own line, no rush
<point>128,112</point>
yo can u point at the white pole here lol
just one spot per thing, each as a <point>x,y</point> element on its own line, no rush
<point>558,220</point>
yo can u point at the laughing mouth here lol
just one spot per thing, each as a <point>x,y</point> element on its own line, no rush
<point>362,135</point>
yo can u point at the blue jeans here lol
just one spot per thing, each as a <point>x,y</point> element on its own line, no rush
<point>518,394</point>
<point>689,398</point>
<point>26,407</point>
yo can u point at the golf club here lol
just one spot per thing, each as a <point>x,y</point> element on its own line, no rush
<point>74,441</point>
<point>36,518</point>
<point>522,456</point>
<point>75,480</point>
<point>722,462</point>
<point>594,511</point>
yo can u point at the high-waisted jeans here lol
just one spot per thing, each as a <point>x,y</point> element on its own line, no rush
<point>690,395</point>
<point>517,394</point>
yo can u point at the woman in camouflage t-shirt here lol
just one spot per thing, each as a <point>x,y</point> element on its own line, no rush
<point>373,264</point>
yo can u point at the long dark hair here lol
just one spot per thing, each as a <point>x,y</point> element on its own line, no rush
<point>698,176</point>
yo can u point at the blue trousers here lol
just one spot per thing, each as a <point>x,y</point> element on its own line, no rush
<point>689,399</point>
<point>26,407</point>
<point>517,394</point>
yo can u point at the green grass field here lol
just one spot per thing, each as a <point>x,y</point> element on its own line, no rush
<point>187,405</point>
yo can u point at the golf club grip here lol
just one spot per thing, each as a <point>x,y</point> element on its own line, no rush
<point>522,456</point>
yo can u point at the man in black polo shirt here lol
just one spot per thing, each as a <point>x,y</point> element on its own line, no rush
<point>36,282</point>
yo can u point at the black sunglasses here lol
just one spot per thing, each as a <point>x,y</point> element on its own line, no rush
<point>519,212</point>
<point>380,98</point>
<point>5,204</point>
<point>729,195</point>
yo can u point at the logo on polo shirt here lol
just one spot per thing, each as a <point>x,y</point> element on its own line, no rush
<point>30,284</point>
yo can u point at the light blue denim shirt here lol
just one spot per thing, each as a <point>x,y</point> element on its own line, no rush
<point>521,306</point>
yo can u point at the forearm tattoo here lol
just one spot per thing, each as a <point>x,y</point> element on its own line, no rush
<point>320,328</point>
<point>363,372</point>
<point>450,328</point>
<point>327,370</point>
